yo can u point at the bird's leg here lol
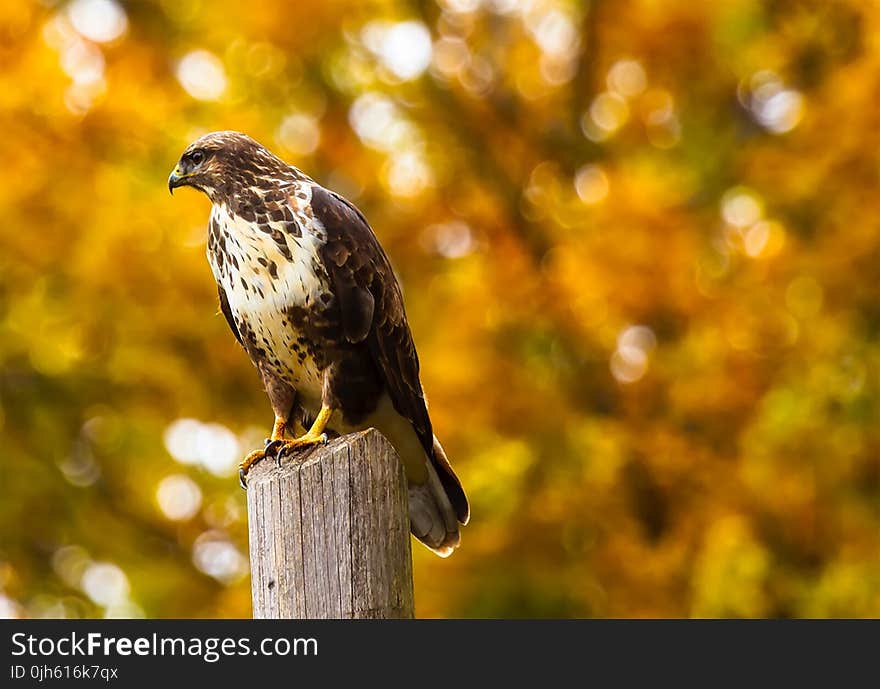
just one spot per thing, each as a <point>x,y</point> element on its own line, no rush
<point>314,436</point>
<point>294,425</point>
<point>255,456</point>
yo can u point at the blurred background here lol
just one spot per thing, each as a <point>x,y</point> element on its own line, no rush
<point>640,253</point>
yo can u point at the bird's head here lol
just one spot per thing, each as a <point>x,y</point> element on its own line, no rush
<point>220,163</point>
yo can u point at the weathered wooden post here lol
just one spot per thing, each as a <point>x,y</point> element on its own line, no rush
<point>329,533</point>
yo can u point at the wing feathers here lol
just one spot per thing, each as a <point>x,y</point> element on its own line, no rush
<point>227,312</point>
<point>372,311</point>
<point>371,304</point>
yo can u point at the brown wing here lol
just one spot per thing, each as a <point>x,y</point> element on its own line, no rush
<point>227,312</point>
<point>371,309</point>
<point>370,303</point>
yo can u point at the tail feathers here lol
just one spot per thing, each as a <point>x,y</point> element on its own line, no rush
<point>432,518</point>
<point>451,485</point>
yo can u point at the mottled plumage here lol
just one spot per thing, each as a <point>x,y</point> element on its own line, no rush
<point>311,296</point>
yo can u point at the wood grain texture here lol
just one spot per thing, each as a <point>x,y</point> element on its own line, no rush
<point>329,533</point>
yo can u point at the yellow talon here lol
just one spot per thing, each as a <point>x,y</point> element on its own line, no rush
<point>278,446</point>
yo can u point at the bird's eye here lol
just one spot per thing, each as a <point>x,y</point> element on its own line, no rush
<point>198,158</point>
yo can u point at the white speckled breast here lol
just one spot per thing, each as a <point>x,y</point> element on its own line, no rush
<point>262,284</point>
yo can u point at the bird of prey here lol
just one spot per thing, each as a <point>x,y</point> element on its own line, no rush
<point>311,296</point>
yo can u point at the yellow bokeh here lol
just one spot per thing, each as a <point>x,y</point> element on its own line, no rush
<point>640,254</point>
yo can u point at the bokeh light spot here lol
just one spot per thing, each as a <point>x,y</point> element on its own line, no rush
<point>83,62</point>
<point>299,133</point>
<point>212,446</point>
<point>379,123</point>
<point>408,174</point>
<point>215,555</point>
<point>101,21</point>
<point>591,184</point>
<point>179,497</point>
<point>405,49</point>
<point>627,78</point>
<point>105,583</point>
<point>70,563</point>
<point>202,75</point>
<point>776,108</point>
<point>9,609</point>
<point>555,32</point>
<point>741,207</point>
<point>452,239</point>
<point>629,362</point>
<point>609,112</point>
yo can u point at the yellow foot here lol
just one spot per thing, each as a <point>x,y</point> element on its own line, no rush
<point>249,461</point>
<point>278,449</point>
<point>277,446</point>
<point>282,448</point>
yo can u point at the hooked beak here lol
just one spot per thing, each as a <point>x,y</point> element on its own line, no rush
<point>176,179</point>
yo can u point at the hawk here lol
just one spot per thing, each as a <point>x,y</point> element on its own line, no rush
<point>311,296</point>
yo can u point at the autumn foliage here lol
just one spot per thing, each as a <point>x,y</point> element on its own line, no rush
<point>640,254</point>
